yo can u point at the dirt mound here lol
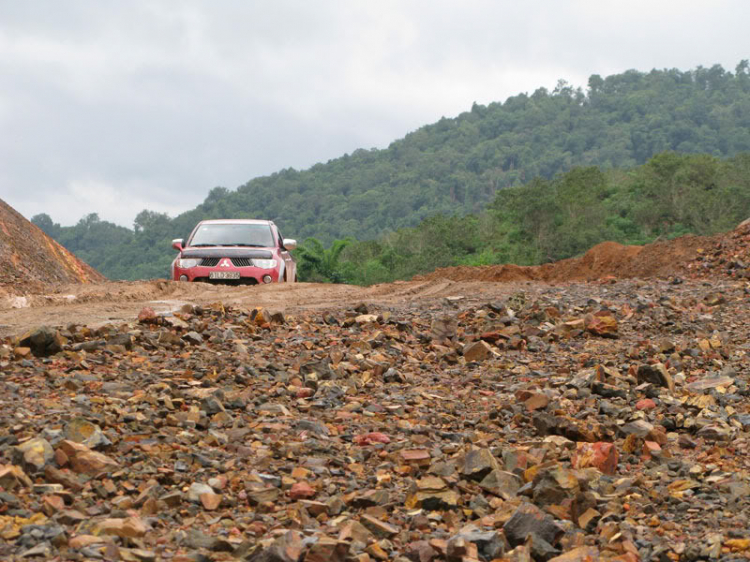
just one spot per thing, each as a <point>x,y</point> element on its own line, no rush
<point>608,259</point>
<point>30,260</point>
<point>728,254</point>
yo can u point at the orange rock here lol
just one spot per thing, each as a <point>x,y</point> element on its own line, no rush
<point>627,557</point>
<point>327,550</point>
<point>301,491</point>
<point>147,315</point>
<point>259,316</point>
<point>651,448</point>
<point>491,337</point>
<point>22,352</point>
<point>477,351</point>
<point>52,505</point>
<point>415,455</point>
<point>210,501</point>
<point>61,458</point>
<point>599,455</point>
<point>602,323</point>
<point>374,437</point>
<point>129,528</point>
<point>552,312</point>
<point>82,541</point>
<point>580,554</point>
<point>645,404</point>
<point>537,401</point>
<point>300,473</point>
<point>377,552</point>
<point>85,461</point>
<point>737,545</point>
<point>12,477</point>
<point>632,444</point>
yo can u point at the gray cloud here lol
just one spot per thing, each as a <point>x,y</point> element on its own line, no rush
<point>115,107</point>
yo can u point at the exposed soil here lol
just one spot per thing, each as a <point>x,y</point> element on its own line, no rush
<point>121,301</point>
<point>30,260</point>
<point>608,259</point>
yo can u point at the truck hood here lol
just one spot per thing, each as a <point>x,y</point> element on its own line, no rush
<point>224,252</point>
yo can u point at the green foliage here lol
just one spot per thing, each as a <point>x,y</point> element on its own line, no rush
<point>315,263</point>
<point>509,154</point>
<point>485,257</point>
<point>544,220</point>
<point>44,221</point>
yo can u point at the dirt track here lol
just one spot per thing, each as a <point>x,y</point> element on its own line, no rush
<point>116,301</point>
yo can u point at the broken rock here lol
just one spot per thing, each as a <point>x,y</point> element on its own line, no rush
<point>477,351</point>
<point>478,463</point>
<point>656,374</point>
<point>34,454</point>
<point>599,455</point>
<point>501,483</point>
<point>43,341</point>
<point>128,528</point>
<point>529,519</point>
<point>85,461</point>
<point>603,324</point>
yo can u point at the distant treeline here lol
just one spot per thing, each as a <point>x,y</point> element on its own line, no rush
<point>456,167</point>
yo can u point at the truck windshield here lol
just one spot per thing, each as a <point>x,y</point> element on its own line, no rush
<point>257,235</point>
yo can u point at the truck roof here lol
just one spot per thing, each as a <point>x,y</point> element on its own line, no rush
<point>236,221</point>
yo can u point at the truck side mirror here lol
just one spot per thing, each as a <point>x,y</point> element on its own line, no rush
<point>289,243</point>
<point>177,244</point>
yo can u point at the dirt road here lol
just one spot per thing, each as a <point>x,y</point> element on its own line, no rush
<point>121,301</point>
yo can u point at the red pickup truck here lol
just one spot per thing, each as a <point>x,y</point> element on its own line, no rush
<point>235,252</point>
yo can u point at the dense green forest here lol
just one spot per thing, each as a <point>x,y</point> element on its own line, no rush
<point>511,156</point>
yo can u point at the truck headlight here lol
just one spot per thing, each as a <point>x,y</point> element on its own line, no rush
<point>186,263</point>
<point>264,264</point>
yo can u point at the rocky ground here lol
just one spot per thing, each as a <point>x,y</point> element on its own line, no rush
<point>594,421</point>
<point>452,418</point>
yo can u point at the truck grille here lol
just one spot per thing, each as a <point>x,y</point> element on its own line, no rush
<point>209,262</point>
<point>242,262</point>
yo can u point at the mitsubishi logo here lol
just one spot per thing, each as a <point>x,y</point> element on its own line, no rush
<point>225,263</point>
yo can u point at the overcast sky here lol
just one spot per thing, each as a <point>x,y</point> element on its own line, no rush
<point>113,107</point>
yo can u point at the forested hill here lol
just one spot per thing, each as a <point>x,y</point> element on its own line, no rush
<point>455,166</point>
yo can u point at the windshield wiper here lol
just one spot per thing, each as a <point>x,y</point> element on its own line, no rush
<point>243,245</point>
<point>200,245</point>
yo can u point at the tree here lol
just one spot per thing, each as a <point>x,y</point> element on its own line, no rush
<point>217,194</point>
<point>148,220</point>
<point>44,221</point>
<point>314,262</point>
<point>89,221</point>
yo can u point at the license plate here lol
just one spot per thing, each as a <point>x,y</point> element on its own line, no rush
<point>224,275</point>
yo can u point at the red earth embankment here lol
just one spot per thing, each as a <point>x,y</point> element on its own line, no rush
<point>29,259</point>
<point>608,259</point>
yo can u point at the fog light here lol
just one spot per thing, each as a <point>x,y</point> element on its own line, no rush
<point>266,279</point>
<point>183,277</point>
